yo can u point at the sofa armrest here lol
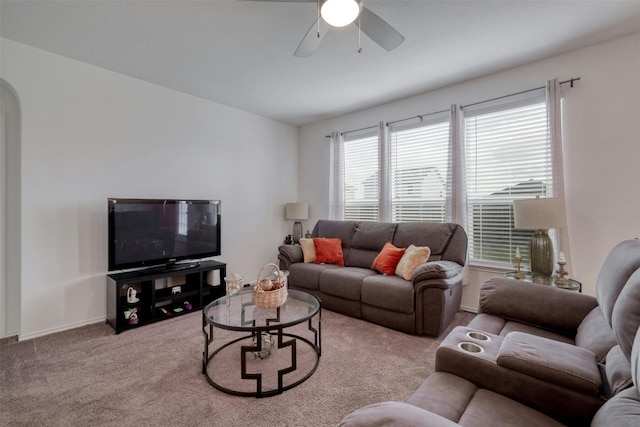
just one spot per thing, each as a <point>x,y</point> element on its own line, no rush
<point>539,305</point>
<point>289,254</point>
<point>436,271</point>
<point>555,362</point>
<point>396,414</point>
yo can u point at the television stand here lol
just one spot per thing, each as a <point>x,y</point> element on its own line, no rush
<point>162,292</point>
<point>172,266</point>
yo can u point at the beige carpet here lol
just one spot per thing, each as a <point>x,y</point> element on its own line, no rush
<point>152,376</point>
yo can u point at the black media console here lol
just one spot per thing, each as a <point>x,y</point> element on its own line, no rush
<point>140,297</point>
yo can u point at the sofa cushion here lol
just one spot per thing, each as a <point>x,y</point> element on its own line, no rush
<point>412,258</point>
<point>437,236</point>
<point>595,334</point>
<point>368,240</point>
<point>617,372</point>
<point>510,326</point>
<point>344,282</point>
<point>460,400</point>
<point>620,264</point>
<point>388,259</point>
<point>623,410</point>
<point>306,276</point>
<point>551,361</point>
<point>394,414</point>
<point>388,292</point>
<point>626,314</point>
<point>328,251</point>
<point>342,230</point>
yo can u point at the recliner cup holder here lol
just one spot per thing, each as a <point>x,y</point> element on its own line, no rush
<point>478,336</point>
<point>470,347</point>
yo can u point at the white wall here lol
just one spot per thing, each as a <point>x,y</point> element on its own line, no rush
<point>602,146</point>
<point>10,272</point>
<point>89,134</point>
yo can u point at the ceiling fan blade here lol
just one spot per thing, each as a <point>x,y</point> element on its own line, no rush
<point>379,30</point>
<point>312,39</point>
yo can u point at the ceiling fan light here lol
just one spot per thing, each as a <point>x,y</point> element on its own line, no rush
<point>339,13</point>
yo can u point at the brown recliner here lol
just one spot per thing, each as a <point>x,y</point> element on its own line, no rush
<point>448,400</point>
<point>445,399</point>
<point>533,372</point>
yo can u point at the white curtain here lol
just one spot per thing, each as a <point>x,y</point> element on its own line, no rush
<point>456,209</point>
<point>385,172</point>
<point>336,176</point>
<point>554,130</point>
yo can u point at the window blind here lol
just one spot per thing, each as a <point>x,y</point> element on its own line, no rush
<point>508,156</point>
<point>361,177</point>
<point>419,170</point>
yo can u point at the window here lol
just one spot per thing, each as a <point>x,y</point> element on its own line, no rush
<point>361,177</point>
<point>500,151</point>
<point>508,156</point>
<point>419,170</point>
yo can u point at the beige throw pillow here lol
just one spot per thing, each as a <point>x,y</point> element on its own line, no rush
<point>412,258</point>
<point>308,250</point>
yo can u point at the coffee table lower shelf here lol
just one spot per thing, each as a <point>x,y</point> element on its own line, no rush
<point>249,353</point>
<point>256,352</point>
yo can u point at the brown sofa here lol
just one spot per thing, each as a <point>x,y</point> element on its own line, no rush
<point>536,356</point>
<point>425,305</point>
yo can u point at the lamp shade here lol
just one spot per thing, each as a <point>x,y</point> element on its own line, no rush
<point>339,13</point>
<point>296,211</point>
<point>539,214</point>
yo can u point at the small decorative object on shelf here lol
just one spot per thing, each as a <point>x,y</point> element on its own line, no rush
<point>133,318</point>
<point>307,235</point>
<point>288,240</point>
<point>518,258</point>
<point>267,344</point>
<point>187,305</point>
<point>270,290</point>
<point>131,296</point>
<point>561,281</point>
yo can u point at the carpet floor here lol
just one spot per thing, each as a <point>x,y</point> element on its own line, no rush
<point>153,376</point>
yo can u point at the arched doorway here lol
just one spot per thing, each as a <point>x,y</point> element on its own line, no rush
<point>10,258</point>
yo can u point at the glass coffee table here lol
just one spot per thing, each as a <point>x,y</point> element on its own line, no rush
<point>261,352</point>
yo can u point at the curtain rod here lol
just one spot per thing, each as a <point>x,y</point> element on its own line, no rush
<point>419,116</point>
<point>355,130</point>
<point>571,80</point>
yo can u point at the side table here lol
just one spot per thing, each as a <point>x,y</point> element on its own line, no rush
<point>573,285</point>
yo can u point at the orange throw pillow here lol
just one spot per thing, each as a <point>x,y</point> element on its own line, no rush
<point>388,259</point>
<point>328,251</point>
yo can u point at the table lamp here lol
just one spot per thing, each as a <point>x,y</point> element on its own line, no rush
<point>540,215</point>
<point>296,212</point>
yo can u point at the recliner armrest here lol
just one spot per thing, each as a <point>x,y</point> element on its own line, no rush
<point>552,361</point>
<point>289,254</point>
<point>539,305</point>
<point>436,270</point>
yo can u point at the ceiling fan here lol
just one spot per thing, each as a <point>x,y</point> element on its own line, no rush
<point>340,13</point>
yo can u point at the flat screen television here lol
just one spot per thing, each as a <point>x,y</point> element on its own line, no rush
<point>153,232</point>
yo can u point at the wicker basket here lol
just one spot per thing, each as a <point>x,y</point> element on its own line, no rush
<point>270,299</point>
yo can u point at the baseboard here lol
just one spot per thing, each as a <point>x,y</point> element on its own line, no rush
<point>61,328</point>
<point>469,309</point>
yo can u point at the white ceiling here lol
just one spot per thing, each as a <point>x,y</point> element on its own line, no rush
<point>240,53</point>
